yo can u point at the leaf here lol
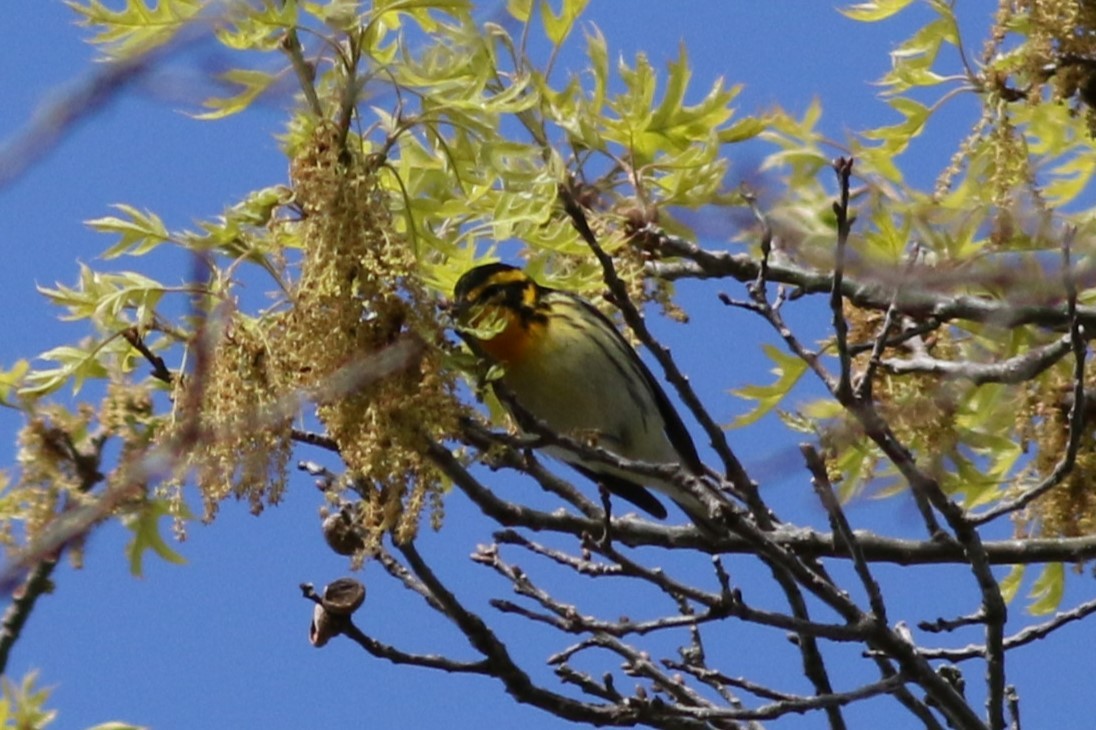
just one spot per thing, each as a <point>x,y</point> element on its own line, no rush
<point>522,10</point>
<point>558,27</point>
<point>252,83</point>
<point>896,138</point>
<point>742,130</point>
<point>11,380</point>
<point>1047,589</point>
<point>597,50</point>
<point>1010,584</point>
<point>249,27</point>
<point>103,297</point>
<point>140,231</point>
<point>24,705</point>
<point>789,369</point>
<point>1070,178</point>
<point>855,463</point>
<point>874,11</point>
<point>76,365</point>
<point>673,99</point>
<point>145,525</point>
<point>136,28</point>
<point>387,15</point>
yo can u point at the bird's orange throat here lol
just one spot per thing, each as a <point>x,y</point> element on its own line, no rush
<point>516,340</point>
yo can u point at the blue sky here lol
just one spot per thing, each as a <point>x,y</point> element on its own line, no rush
<point>222,641</point>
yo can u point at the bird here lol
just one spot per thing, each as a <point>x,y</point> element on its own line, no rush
<point>568,366</point>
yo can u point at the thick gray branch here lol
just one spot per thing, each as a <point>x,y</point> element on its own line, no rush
<point>876,293</point>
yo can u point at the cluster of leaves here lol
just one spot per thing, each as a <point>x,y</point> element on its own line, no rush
<point>993,226</point>
<point>384,210</point>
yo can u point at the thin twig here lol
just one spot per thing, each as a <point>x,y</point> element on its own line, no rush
<point>909,332</point>
<point>347,628</point>
<point>713,677</point>
<point>53,120</point>
<point>1020,638</point>
<point>160,370</point>
<point>801,542</point>
<point>841,529</point>
<point>864,386</point>
<point>799,705</point>
<point>306,72</point>
<point>502,666</point>
<point>36,583</point>
<point>941,625</point>
<point>1013,699</point>
<point>843,168</point>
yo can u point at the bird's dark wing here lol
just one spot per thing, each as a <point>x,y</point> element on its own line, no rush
<point>674,427</point>
<point>628,491</point>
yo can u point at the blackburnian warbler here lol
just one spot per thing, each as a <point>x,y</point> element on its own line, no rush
<point>568,366</point>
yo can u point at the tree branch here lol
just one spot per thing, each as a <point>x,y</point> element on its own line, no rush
<point>875,293</point>
<point>1024,636</point>
<point>502,666</point>
<point>1017,369</point>
<point>36,584</point>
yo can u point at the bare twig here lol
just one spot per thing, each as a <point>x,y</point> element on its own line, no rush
<point>864,385</point>
<point>497,656</point>
<point>306,71</point>
<point>1024,636</point>
<point>909,331</point>
<point>1013,699</point>
<point>398,571</point>
<point>315,439</point>
<point>1018,369</point>
<point>713,678</point>
<point>766,244</point>
<point>160,369</point>
<point>944,624</point>
<point>842,530</point>
<point>347,628</point>
<point>843,167</point>
<point>36,583</point>
<point>799,705</point>
<point>802,542</point>
<point>511,451</point>
<point>582,566</point>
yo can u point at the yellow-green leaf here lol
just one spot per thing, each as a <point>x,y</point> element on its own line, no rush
<point>74,364</point>
<point>145,525</point>
<point>1047,589</point>
<point>11,380</point>
<point>558,27</point>
<point>876,10</point>
<point>741,130</point>
<point>1010,584</point>
<point>251,83</point>
<point>522,10</point>
<point>789,369</point>
<point>138,27</point>
<point>140,231</point>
